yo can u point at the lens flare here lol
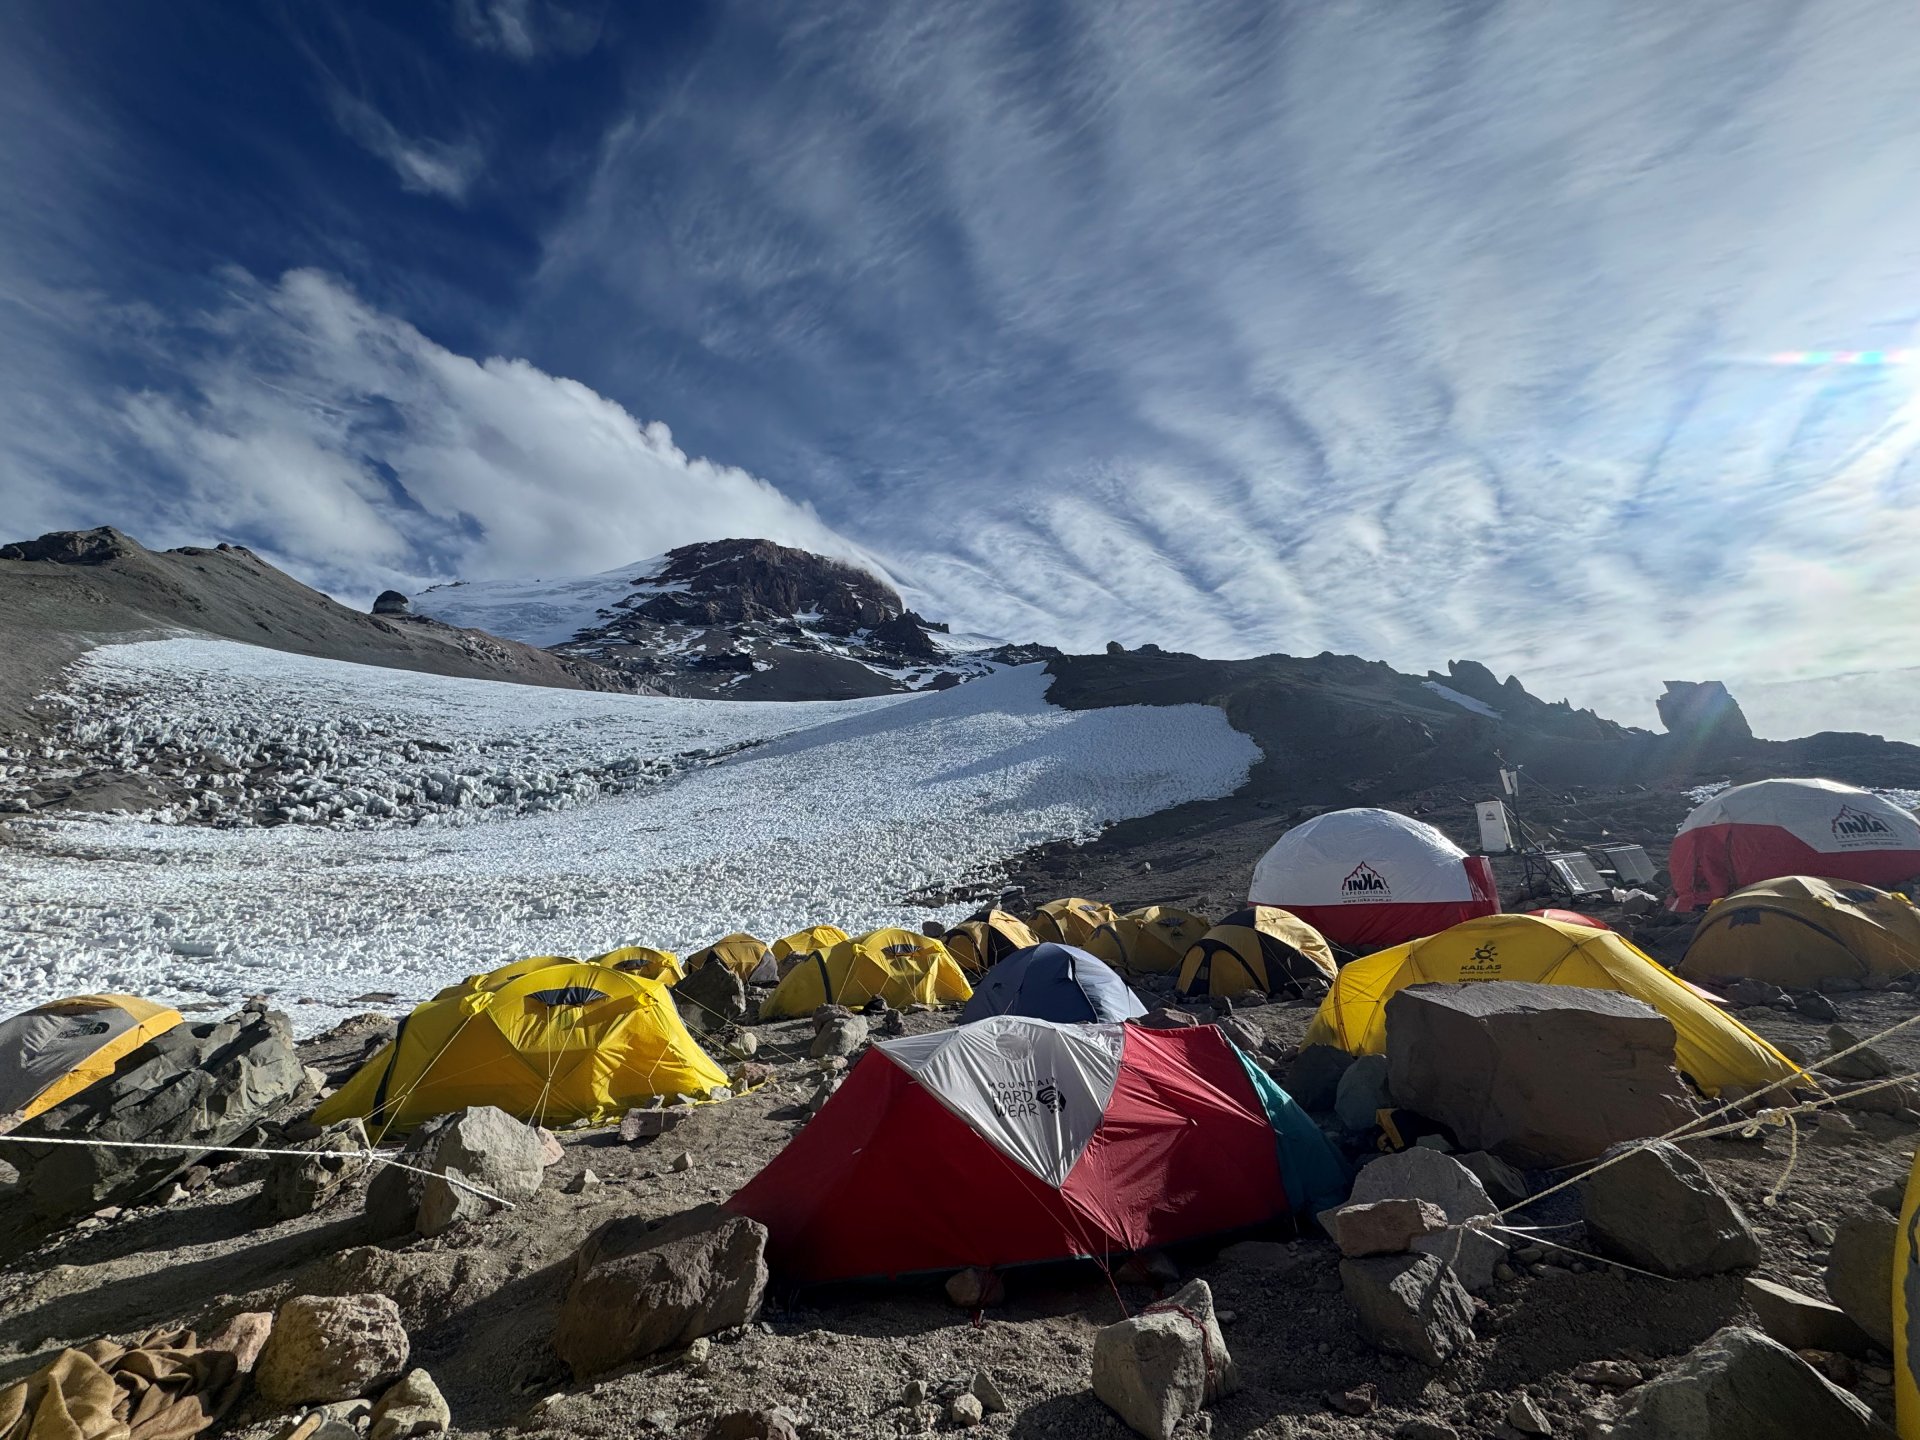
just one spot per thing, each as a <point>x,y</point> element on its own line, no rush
<point>1871,358</point>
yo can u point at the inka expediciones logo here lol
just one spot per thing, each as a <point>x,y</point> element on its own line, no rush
<point>1855,828</point>
<point>1365,883</point>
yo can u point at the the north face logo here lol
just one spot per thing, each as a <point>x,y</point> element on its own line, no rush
<point>1852,824</point>
<point>1367,882</point>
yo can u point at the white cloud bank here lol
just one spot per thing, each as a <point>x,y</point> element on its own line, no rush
<point>363,452</point>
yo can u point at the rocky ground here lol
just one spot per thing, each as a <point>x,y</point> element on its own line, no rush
<point>480,1301</point>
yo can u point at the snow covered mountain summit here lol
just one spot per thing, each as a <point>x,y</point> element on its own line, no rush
<point>739,619</point>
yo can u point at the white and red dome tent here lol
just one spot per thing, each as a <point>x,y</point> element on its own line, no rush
<point>1366,877</point>
<point>1013,1140</point>
<point>1772,828</point>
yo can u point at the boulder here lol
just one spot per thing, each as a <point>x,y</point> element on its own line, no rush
<point>1747,993</point>
<point>1865,1063</point>
<point>1801,1322</point>
<point>1740,1385</point>
<point>299,1187</point>
<point>710,999</point>
<point>1543,1075</point>
<point>1166,1017</point>
<point>413,1406</point>
<point>1860,1273</point>
<point>1243,1032</point>
<point>1362,1093</point>
<point>1705,716</point>
<point>206,1085</point>
<point>1165,1365</point>
<point>1505,1184</point>
<point>393,1194</point>
<point>244,1337</point>
<point>489,1149</point>
<point>391,602</point>
<point>1384,1227</point>
<point>1474,1255</point>
<point>1815,1006</point>
<point>1658,1210</point>
<point>1409,1305</point>
<point>1312,1077</point>
<point>640,1287</point>
<point>841,1035</point>
<point>328,1348</point>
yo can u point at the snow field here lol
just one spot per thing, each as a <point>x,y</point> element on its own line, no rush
<point>837,812</point>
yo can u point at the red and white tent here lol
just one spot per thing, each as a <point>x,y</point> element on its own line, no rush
<point>1013,1140</point>
<point>1791,827</point>
<point>1367,877</point>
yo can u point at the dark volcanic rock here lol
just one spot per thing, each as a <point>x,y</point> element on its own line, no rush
<point>72,547</point>
<point>1701,713</point>
<point>391,602</point>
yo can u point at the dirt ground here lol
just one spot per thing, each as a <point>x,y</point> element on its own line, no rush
<point>481,1299</point>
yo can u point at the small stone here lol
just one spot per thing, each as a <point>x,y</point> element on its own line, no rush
<point>965,1411</point>
<point>579,1185</point>
<point>1526,1417</point>
<point>1820,1233</point>
<point>976,1288</point>
<point>1383,1227</point>
<point>413,1406</point>
<point>1361,1400</point>
<point>680,1163</point>
<point>326,1348</point>
<point>697,1354</point>
<point>1801,1322</point>
<point>1607,1374</point>
<point>653,1120</point>
<point>914,1394</point>
<point>984,1389</point>
<point>1419,1429</point>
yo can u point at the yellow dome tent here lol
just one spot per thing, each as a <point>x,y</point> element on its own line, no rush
<point>1260,948</point>
<point>547,1039</point>
<point>1799,930</point>
<point>1071,921</point>
<point>746,955</point>
<point>644,960</point>
<point>1149,941</point>
<point>899,966</point>
<point>54,1051</point>
<point>982,943</point>
<point>1906,1310</point>
<point>1713,1048</point>
<point>806,942</point>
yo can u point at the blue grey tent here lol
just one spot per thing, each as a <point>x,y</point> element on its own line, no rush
<point>1053,982</point>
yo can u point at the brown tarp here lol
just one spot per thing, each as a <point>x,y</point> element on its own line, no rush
<point>166,1387</point>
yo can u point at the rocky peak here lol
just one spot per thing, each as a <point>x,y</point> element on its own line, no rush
<point>74,547</point>
<point>726,582</point>
<point>1704,715</point>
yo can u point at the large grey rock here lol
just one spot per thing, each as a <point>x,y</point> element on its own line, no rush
<point>203,1086</point>
<point>1313,1076</point>
<point>711,998</point>
<point>1801,1322</point>
<point>1658,1210</point>
<point>1543,1075</point>
<point>1740,1385</point>
<point>328,1348</point>
<point>1504,1183</point>
<point>1163,1366</point>
<point>427,1284</point>
<point>488,1148</point>
<point>1361,1093</point>
<point>1863,1063</point>
<point>299,1187</point>
<point>1860,1273</point>
<point>640,1287</point>
<point>1410,1305</point>
<point>393,1194</point>
<point>1422,1174</point>
<point>841,1035</point>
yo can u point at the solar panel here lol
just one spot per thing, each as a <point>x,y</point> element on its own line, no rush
<point>1575,872</point>
<point>1629,862</point>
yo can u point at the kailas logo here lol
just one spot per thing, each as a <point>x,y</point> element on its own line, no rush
<point>1012,1099</point>
<point>1365,883</point>
<point>1856,827</point>
<point>1483,962</point>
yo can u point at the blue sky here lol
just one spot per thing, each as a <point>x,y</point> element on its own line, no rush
<point>1415,331</point>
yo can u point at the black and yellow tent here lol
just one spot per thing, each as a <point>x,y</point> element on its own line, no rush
<point>1071,921</point>
<point>1799,930</point>
<point>550,1040</point>
<point>984,941</point>
<point>746,955</point>
<point>661,965</point>
<point>1713,1048</point>
<point>901,967</point>
<point>58,1049</point>
<point>1260,948</point>
<point>1150,941</point>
